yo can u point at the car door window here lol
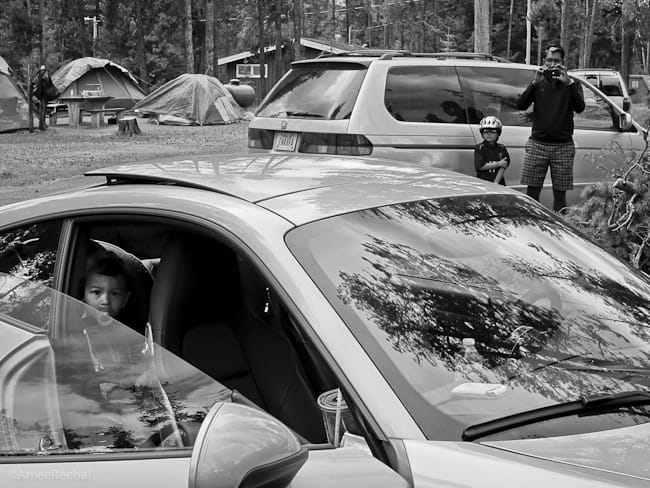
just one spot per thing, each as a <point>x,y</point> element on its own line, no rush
<point>29,253</point>
<point>99,387</point>
<point>494,91</point>
<point>425,94</point>
<point>598,113</point>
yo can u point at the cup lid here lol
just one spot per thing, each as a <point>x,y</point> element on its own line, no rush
<point>327,400</point>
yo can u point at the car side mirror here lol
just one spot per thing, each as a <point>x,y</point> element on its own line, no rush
<point>241,446</point>
<point>627,104</point>
<point>624,121</point>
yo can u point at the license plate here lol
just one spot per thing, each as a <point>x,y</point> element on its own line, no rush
<point>285,141</point>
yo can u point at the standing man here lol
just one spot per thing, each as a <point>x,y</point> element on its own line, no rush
<point>556,97</point>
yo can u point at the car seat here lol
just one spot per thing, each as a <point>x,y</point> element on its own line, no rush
<point>136,312</point>
<point>197,312</point>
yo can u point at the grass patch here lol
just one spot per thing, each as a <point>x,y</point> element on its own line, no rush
<point>30,162</point>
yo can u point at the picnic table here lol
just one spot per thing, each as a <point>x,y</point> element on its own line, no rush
<point>76,104</point>
<point>97,115</point>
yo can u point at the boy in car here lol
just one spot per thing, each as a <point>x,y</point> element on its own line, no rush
<point>106,287</point>
<point>491,158</point>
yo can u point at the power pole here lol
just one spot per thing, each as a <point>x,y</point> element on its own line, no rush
<point>94,21</point>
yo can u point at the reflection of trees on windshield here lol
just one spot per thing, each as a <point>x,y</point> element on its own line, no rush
<point>427,295</point>
<point>429,317</point>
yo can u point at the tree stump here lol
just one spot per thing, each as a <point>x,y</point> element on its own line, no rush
<point>128,126</point>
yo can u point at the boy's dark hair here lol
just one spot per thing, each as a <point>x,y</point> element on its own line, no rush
<point>107,263</point>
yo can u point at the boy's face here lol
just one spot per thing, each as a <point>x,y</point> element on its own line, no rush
<point>489,135</point>
<point>106,293</point>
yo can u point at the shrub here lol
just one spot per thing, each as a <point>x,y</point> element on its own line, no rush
<point>616,212</point>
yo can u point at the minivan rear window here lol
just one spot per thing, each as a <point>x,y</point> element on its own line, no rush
<point>320,91</point>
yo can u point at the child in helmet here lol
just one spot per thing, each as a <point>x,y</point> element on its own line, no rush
<point>489,155</point>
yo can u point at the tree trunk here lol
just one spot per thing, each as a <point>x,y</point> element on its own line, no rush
<point>423,39</point>
<point>590,34</point>
<point>627,40</point>
<point>128,126</point>
<point>278,42</point>
<point>482,17</point>
<point>512,4</point>
<point>189,45</point>
<point>540,40</point>
<point>565,26</point>
<point>41,32</point>
<point>436,36</point>
<point>297,29</point>
<point>262,44</point>
<point>215,43</point>
<point>208,50</point>
<point>140,59</point>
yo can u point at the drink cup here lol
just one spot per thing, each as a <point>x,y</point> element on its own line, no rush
<point>336,415</point>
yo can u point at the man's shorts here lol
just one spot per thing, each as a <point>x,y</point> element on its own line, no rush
<point>540,156</point>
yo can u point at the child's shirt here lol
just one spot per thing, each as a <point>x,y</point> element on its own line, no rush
<point>485,153</point>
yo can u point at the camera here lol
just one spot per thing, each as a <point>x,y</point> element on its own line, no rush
<point>551,73</point>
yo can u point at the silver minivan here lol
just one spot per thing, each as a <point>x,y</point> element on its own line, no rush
<point>419,108</point>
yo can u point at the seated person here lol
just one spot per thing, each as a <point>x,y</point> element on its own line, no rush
<point>106,285</point>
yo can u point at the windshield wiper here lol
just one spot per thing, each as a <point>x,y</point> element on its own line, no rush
<point>587,405</point>
<point>297,113</point>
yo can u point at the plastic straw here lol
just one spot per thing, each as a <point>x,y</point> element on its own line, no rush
<point>337,419</point>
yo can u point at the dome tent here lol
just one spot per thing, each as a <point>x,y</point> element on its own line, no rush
<point>95,74</point>
<point>192,99</point>
<point>14,110</point>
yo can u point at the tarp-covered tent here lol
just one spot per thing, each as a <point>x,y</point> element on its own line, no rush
<point>93,75</point>
<point>14,110</point>
<point>191,99</point>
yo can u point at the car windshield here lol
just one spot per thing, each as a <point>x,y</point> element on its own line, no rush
<point>97,386</point>
<point>323,91</point>
<point>552,316</point>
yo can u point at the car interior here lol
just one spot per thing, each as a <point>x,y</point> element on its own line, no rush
<point>212,307</point>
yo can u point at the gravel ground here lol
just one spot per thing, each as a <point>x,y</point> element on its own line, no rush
<point>40,163</point>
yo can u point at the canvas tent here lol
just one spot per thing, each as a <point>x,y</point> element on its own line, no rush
<point>14,110</point>
<point>89,74</point>
<point>191,99</point>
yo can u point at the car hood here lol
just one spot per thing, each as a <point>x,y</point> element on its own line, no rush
<point>612,458</point>
<point>623,451</point>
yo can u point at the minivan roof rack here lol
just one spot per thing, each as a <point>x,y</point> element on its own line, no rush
<point>391,53</point>
<point>372,53</point>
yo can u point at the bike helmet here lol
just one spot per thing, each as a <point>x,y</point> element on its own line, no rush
<point>490,122</point>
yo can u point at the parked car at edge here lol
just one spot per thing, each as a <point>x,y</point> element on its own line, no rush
<point>609,81</point>
<point>425,108</point>
<point>476,339</point>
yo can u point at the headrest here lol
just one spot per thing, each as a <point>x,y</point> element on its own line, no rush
<point>136,312</point>
<point>196,280</point>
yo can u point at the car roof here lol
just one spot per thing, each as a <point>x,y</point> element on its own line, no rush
<point>452,58</point>
<point>302,187</point>
<point>595,71</point>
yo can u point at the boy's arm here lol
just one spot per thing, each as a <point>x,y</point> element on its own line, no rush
<point>478,159</point>
<point>506,156</point>
<point>480,164</point>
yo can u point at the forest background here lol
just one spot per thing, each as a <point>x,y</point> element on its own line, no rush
<point>160,39</point>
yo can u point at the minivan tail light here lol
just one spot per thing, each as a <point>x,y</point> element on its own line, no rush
<point>260,138</point>
<point>344,144</point>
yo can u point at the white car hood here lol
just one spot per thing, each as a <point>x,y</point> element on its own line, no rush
<point>610,458</point>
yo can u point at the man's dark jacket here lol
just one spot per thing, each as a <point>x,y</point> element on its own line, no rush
<point>555,103</point>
